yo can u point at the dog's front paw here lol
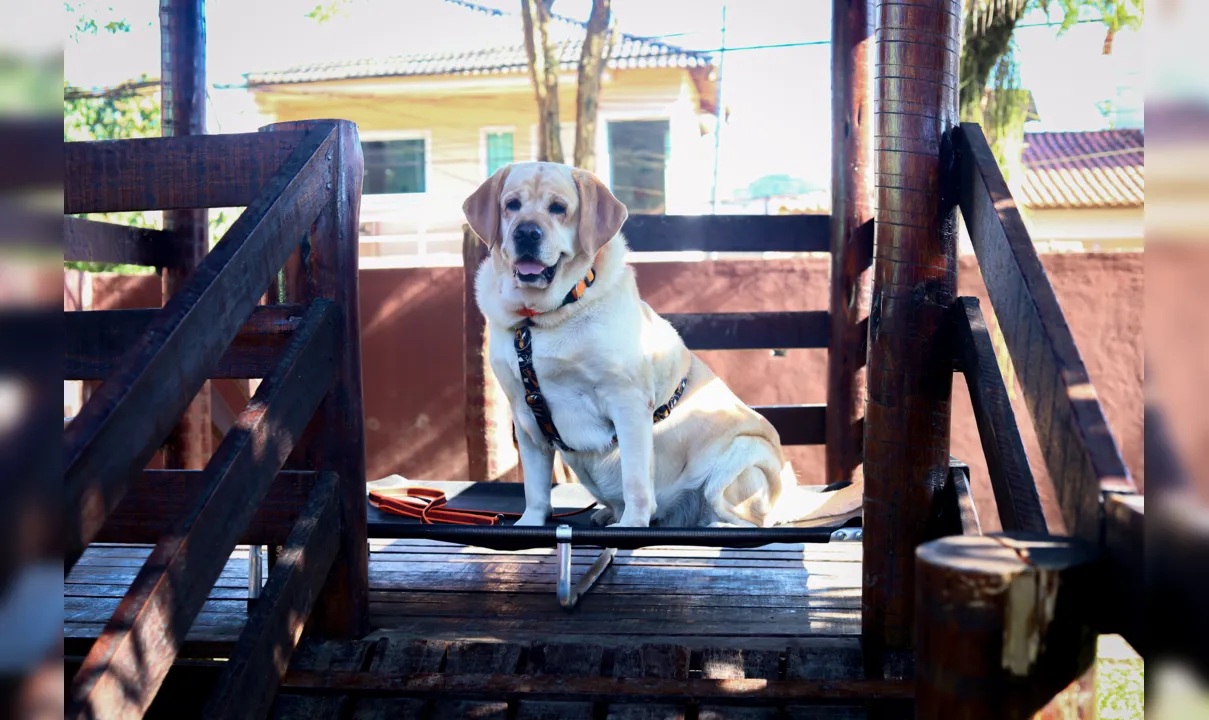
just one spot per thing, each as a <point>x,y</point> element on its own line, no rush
<point>632,520</point>
<point>531,519</point>
<point>604,516</point>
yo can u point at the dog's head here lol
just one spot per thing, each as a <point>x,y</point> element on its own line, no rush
<point>541,218</point>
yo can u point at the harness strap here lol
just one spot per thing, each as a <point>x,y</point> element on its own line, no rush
<point>522,341</point>
<point>429,506</point>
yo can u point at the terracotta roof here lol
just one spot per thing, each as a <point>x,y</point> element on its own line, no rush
<point>630,52</point>
<point>1102,169</point>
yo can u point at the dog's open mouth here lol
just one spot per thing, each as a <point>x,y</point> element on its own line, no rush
<point>529,270</point>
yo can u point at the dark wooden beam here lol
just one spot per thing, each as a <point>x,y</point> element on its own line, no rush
<point>92,241</point>
<point>262,654</point>
<point>956,513</point>
<point>728,233</point>
<point>568,687</point>
<point>852,204</point>
<point>797,424</point>
<point>336,437</point>
<point>96,340</point>
<point>752,331</point>
<point>910,370</point>
<point>159,498</point>
<point>127,418</point>
<point>1076,441</point>
<point>171,172</point>
<point>183,113</point>
<point>490,452</point>
<point>1125,556</point>
<point>126,665</point>
<point>1003,623</point>
<point>1015,489</point>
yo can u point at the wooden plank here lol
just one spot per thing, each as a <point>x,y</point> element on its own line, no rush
<point>1076,441</point>
<point>183,113</point>
<point>981,652</point>
<point>488,658</point>
<point>1125,555</point>
<point>96,340</point>
<point>127,418</point>
<point>493,686</point>
<point>336,437</point>
<point>321,656</point>
<point>1015,489</point>
<point>751,331</point>
<point>852,213</point>
<point>561,659</point>
<point>957,513</point>
<point>198,171</point>
<point>907,423</point>
<point>249,681</point>
<point>93,241</point>
<point>728,233</point>
<point>142,638</point>
<point>158,498</point>
<point>490,451</point>
<point>797,424</point>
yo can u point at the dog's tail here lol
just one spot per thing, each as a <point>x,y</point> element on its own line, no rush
<point>806,507</point>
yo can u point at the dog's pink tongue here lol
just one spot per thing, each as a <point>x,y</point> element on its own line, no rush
<point>529,267</point>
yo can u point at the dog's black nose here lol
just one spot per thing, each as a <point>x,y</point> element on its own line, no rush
<point>527,233</point>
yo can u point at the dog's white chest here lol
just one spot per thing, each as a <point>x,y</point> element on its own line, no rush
<point>568,377</point>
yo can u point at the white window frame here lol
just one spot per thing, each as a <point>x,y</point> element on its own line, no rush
<point>604,158</point>
<point>488,130</point>
<point>388,135</point>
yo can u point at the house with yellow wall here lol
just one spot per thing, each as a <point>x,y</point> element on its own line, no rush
<point>434,126</point>
<point>1084,190</point>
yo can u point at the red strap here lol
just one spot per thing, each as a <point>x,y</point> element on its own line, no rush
<point>428,505</point>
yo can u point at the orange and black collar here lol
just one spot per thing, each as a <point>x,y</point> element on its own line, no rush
<point>575,294</point>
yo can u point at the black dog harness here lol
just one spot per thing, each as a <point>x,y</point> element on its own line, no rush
<point>523,342</point>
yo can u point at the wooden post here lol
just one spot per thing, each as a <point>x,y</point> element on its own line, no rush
<point>183,112</point>
<point>490,452</point>
<point>1004,623</point>
<point>335,440</point>
<point>910,368</point>
<point>851,232</point>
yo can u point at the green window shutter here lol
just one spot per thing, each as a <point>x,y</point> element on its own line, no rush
<point>499,151</point>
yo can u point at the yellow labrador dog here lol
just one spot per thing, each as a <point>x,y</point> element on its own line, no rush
<point>591,370</point>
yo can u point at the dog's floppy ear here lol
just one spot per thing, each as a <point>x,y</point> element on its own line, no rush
<point>482,208</point>
<point>601,215</point>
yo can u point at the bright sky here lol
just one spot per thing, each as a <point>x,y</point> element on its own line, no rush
<point>779,97</point>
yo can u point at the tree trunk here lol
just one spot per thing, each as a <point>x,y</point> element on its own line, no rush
<point>596,49</point>
<point>543,71</point>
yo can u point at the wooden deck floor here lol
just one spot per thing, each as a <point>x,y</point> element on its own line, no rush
<point>782,612</point>
<point>436,590</point>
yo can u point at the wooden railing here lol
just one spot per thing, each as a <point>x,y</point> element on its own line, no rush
<point>797,424</point>
<point>1005,622</point>
<point>298,182</point>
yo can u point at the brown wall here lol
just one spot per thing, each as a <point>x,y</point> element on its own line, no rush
<point>412,352</point>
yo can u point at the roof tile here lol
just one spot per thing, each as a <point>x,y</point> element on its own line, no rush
<point>1101,169</point>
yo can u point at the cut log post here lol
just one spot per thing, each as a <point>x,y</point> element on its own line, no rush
<point>910,370</point>
<point>490,451</point>
<point>183,112</point>
<point>1003,623</point>
<point>852,203</point>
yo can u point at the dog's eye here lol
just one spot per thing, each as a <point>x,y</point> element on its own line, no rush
<point>513,205</point>
<point>558,209</point>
